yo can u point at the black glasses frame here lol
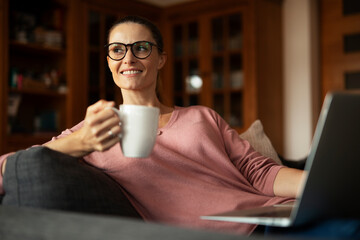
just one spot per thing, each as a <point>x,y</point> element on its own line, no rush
<point>131,48</point>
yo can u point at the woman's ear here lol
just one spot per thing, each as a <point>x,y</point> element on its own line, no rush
<point>107,59</point>
<point>162,60</point>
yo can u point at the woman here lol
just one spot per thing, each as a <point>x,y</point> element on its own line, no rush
<point>198,166</point>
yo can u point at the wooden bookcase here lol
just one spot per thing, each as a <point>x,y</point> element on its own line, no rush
<point>227,56</point>
<point>33,73</point>
<point>52,64</point>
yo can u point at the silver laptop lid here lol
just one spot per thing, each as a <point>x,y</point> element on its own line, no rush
<point>333,183</point>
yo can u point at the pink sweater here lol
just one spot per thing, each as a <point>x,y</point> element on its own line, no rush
<point>199,166</point>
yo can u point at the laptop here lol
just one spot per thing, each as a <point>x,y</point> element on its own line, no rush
<point>332,185</point>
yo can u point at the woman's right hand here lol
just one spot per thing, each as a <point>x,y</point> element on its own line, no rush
<point>99,132</point>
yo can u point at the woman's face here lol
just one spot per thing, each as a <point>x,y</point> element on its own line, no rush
<point>131,73</point>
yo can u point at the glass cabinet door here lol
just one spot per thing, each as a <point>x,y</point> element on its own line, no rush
<point>212,73</point>
<point>187,80</point>
<point>227,69</point>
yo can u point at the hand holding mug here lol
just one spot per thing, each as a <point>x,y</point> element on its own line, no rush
<point>100,128</point>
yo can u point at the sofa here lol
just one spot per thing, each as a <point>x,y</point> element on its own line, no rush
<point>92,211</point>
<point>28,223</point>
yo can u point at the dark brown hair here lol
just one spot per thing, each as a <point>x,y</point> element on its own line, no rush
<point>155,32</point>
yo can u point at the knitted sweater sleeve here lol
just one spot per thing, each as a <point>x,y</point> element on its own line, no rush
<point>260,171</point>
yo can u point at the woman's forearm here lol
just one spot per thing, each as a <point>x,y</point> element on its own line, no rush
<point>288,182</point>
<point>71,145</point>
<point>92,136</point>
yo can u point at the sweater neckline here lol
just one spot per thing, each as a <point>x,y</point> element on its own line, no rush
<point>172,119</point>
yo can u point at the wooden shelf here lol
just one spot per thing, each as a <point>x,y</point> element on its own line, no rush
<point>33,48</point>
<point>43,92</point>
<point>220,53</point>
<point>24,138</point>
<point>219,91</point>
<point>19,141</point>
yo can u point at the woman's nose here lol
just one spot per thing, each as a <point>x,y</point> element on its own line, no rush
<point>129,56</point>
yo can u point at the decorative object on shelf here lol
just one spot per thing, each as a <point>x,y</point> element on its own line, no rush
<point>28,79</point>
<point>39,27</point>
<point>50,38</point>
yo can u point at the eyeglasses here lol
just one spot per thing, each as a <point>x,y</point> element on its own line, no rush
<point>141,50</point>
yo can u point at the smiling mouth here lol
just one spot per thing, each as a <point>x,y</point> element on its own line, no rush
<point>129,72</point>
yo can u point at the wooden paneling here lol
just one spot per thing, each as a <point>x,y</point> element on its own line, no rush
<point>270,69</point>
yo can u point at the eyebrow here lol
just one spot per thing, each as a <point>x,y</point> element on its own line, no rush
<point>134,42</point>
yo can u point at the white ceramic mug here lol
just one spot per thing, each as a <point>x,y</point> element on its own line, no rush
<point>139,129</point>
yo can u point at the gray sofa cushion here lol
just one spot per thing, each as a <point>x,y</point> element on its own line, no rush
<point>42,178</point>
